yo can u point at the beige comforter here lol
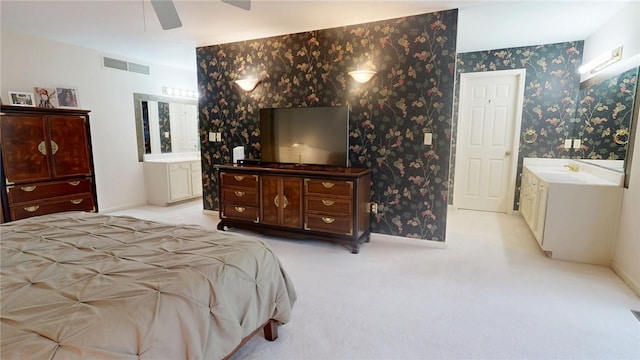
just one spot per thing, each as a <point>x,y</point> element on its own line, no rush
<point>89,286</point>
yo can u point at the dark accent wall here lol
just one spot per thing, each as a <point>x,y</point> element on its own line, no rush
<point>412,93</point>
<point>552,84</point>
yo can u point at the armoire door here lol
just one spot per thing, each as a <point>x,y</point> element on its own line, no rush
<point>69,145</point>
<point>25,148</point>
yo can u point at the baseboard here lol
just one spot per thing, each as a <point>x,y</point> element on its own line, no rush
<point>626,278</point>
<point>210,212</point>
<point>123,207</point>
<point>394,238</point>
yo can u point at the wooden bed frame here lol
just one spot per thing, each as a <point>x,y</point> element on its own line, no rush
<point>270,329</point>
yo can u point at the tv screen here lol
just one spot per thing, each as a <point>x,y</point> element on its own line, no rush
<point>305,135</point>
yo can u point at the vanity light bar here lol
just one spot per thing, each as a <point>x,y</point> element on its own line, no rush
<point>179,92</point>
<point>601,61</point>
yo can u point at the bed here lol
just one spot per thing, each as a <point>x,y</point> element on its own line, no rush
<point>86,285</point>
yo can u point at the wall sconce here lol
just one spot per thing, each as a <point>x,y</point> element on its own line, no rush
<point>362,76</point>
<point>178,92</point>
<point>247,84</point>
<point>601,61</point>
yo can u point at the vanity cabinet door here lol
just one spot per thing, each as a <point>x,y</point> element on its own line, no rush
<point>179,181</point>
<point>540,211</point>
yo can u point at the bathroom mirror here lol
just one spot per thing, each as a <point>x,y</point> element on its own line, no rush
<point>605,117</point>
<point>165,124</point>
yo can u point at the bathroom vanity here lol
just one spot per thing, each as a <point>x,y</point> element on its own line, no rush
<point>572,208</point>
<point>172,179</point>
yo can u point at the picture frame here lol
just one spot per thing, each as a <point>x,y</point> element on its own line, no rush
<point>45,97</point>
<point>18,98</point>
<point>67,97</point>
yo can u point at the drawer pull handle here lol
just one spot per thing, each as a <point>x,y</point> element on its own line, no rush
<point>328,185</point>
<point>239,193</point>
<point>328,220</point>
<point>276,201</point>
<point>74,183</point>
<point>42,147</point>
<point>240,209</point>
<point>28,188</point>
<point>32,208</point>
<point>54,147</point>
<point>238,177</point>
<point>328,202</point>
<point>76,201</point>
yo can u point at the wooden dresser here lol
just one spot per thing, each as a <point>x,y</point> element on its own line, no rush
<point>308,201</point>
<point>47,164</point>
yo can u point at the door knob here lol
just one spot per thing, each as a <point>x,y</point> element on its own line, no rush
<point>507,153</point>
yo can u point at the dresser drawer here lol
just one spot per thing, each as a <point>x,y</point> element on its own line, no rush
<point>342,225</point>
<point>240,212</point>
<point>239,181</point>
<point>240,196</point>
<point>328,187</point>
<point>328,205</point>
<point>28,193</point>
<point>81,203</point>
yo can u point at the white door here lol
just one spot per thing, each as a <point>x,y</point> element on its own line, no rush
<point>487,141</point>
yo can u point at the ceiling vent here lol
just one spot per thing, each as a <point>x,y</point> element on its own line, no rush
<point>118,64</point>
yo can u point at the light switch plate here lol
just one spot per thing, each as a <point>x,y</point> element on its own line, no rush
<point>428,138</point>
<point>577,143</point>
<point>567,143</point>
<point>212,136</point>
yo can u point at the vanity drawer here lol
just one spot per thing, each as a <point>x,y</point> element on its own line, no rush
<point>342,225</point>
<point>240,212</point>
<point>328,205</point>
<point>328,187</point>
<point>80,203</point>
<point>239,181</point>
<point>18,194</point>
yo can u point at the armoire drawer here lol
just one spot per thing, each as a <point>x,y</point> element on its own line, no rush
<point>80,203</point>
<point>18,194</point>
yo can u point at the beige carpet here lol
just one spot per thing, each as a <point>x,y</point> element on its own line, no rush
<point>490,293</point>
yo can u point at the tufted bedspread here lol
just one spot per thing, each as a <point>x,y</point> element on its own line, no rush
<point>90,286</point>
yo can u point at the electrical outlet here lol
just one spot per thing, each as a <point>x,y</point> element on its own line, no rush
<point>212,136</point>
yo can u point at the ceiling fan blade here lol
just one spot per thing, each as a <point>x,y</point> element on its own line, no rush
<point>167,14</point>
<point>242,4</point>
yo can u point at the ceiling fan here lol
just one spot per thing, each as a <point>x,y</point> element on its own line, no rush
<point>168,16</point>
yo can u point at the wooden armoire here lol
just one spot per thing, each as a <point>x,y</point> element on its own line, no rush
<point>47,162</point>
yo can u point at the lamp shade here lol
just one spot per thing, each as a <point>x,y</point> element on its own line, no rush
<point>247,84</point>
<point>362,76</point>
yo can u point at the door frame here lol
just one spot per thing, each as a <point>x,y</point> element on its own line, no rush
<point>520,75</point>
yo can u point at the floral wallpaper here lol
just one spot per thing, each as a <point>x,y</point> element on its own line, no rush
<point>165,127</point>
<point>412,93</point>
<point>552,84</point>
<point>603,119</point>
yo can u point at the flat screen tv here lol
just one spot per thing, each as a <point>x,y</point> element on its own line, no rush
<point>305,135</point>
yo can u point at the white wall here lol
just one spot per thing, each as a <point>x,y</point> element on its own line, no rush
<point>624,29</point>
<point>28,61</point>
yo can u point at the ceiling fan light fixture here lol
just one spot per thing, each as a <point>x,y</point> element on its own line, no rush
<point>362,76</point>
